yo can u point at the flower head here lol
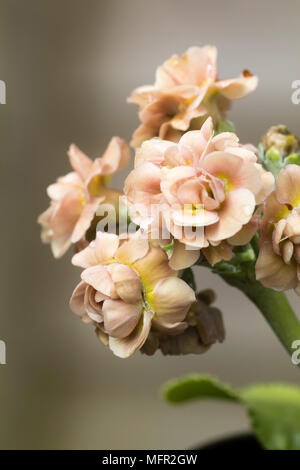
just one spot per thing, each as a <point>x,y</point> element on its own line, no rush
<point>76,196</point>
<point>278,263</point>
<point>127,288</point>
<point>207,185</point>
<point>186,89</point>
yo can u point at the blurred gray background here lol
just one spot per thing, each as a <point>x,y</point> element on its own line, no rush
<point>69,66</point>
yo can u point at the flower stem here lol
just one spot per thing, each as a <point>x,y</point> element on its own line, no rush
<point>275,308</point>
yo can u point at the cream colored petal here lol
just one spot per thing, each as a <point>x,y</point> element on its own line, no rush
<point>120,318</point>
<point>132,250</point>
<point>172,299</point>
<point>93,310</point>
<point>267,187</point>
<point>77,299</point>
<point>79,161</point>
<point>99,251</point>
<point>127,283</point>
<point>236,211</point>
<point>144,180</point>
<point>182,256</point>
<point>58,190</point>
<point>273,213</point>
<point>245,235</point>
<point>272,272</point>
<point>236,88</point>
<point>65,215</point>
<point>152,151</point>
<point>233,170</point>
<point>153,267</point>
<point>171,179</point>
<point>288,185</point>
<point>142,95</point>
<point>85,219</point>
<point>187,218</point>
<point>126,347</point>
<point>100,279</point>
<point>60,245</point>
<point>198,140</point>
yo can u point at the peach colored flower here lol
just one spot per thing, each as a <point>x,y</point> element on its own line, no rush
<point>127,288</point>
<point>186,88</point>
<point>76,196</point>
<point>205,188</point>
<point>278,263</point>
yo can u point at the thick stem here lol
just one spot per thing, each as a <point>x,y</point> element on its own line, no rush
<point>275,308</point>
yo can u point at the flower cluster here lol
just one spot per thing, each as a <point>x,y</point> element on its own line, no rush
<point>196,196</point>
<point>185,92</point>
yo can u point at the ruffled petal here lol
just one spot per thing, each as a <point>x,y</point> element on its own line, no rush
<point>236,211</point>
<point>126,347</point>
<point>80,162</point>
<point>99,251</point>
<point>120,318</point>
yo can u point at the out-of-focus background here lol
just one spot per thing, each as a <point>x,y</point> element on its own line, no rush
<point>69,66</point>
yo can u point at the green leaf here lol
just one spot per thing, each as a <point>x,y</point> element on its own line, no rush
<point>273,409</point>
<point>187,275</point>
<point>197,386</point>
<point>274,412</point>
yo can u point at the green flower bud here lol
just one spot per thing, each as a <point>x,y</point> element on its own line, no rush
<point>278,148</point>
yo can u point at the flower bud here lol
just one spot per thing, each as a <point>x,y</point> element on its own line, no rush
<point>278,148</point>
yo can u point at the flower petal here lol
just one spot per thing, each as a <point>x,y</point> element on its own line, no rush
<point>100,279</point>
<point>236,88</point>
<point>235,212</point>
<point>288,185</point>
<point>81,163</point>
<point>85,219</point>
<point>99,251</point>
<point>120,318</point>
<point>77,302</point>
<point>235,172</point>
<point>127,283</point>
<point>272,272</point>
<point>221,252</point>
<point>182,256</point>
<point>198,140</point>
<point>126,347</point>
<point>132,250</point>
<point>172,299</point>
